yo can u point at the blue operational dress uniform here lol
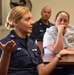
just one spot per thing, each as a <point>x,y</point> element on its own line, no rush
<point>39,29</point>
<point>25,57</point>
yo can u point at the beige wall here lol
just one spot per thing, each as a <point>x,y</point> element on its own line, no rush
<point>56,5</point>
<point>3,32</point>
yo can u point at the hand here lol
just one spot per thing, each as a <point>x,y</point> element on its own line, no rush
<point>61,28</point>
<point>8,47</point>
<point>66,52</point>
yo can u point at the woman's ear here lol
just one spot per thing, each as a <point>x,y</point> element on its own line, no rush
<point>15,22</point>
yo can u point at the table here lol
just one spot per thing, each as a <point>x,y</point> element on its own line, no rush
<point>68,59</point>
<point>40,44</point>
<point>64,66</point>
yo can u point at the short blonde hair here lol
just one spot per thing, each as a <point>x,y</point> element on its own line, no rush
<point>15,14</point>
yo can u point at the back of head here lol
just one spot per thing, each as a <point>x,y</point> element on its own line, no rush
<point>46,7</point>
<point>15,14</point>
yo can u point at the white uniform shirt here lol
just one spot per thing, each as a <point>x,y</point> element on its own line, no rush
<point>50,37</point>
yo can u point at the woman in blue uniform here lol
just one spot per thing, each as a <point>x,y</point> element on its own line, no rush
<point>19,54</point>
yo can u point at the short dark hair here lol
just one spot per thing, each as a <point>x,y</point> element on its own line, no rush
<point>62,12</point>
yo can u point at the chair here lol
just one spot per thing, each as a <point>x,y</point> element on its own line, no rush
<point>40,44</point>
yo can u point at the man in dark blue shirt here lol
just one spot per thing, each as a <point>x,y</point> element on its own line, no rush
<point>40,26</point>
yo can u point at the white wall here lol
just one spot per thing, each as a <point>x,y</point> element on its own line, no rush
<point>56,5</point>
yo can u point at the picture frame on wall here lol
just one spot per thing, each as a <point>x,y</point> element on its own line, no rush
<point>27,3</point>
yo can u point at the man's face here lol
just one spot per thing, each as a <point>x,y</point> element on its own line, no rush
<point>46,13</point>
<point>62,19</point>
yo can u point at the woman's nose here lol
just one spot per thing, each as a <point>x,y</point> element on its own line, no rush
<point>32,22</point>
<point>62,22</point>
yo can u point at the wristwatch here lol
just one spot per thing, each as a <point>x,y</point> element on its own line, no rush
<point>58,57</point>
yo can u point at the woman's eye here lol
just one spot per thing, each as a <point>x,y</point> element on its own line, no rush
<point>60,20</point>
<point>27,19</point>
<point>64,20</point>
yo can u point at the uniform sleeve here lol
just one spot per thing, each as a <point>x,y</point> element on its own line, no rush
<point>0,52</point>
<point>40,60</point>
<point>48,38</point>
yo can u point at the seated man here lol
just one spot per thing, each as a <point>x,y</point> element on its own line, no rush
<point>59,36</point>
<point>40,26</point>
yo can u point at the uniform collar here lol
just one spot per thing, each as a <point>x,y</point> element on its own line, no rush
<point>13,35</point>
<point>41,23</point>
